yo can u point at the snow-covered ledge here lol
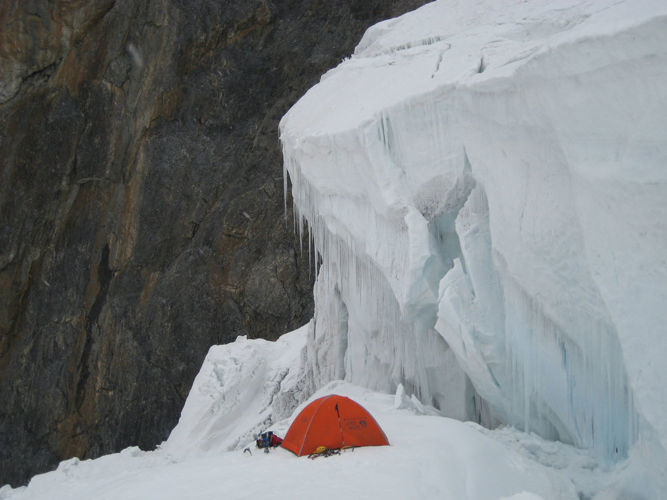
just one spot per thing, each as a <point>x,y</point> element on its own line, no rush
<point>486,183</point>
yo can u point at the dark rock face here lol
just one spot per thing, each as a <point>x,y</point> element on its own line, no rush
<point>141,204</point>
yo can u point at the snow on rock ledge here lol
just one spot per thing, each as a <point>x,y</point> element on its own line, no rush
<point>486,185</point>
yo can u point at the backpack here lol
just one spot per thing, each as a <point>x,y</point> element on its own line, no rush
<point>268,440</point>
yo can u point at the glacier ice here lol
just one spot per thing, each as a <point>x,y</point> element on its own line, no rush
<point>486,187</point>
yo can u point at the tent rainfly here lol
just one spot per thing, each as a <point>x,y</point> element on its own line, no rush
<point>333,422</point>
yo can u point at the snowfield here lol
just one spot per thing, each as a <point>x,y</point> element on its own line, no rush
<point>429,456</point>
<point>485,185</point>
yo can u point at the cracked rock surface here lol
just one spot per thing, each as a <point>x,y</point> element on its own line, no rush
<point>141,206</point>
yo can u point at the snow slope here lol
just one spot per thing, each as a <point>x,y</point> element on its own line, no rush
<point>486,183</point>
<point>241,389</point>
<point>429,456</point>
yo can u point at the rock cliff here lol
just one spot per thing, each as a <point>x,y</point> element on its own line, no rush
<point>141,208</point>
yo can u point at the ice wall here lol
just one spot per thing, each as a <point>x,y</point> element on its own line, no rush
<point>486,184</point>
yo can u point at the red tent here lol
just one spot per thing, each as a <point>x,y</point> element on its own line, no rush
<point>333,422</point>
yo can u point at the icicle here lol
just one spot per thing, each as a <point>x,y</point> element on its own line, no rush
<point>284,185</point>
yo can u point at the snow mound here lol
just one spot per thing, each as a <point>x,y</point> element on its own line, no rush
<point>241,389</point>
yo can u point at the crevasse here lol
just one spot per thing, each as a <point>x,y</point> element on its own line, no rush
<point>493,240</point>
